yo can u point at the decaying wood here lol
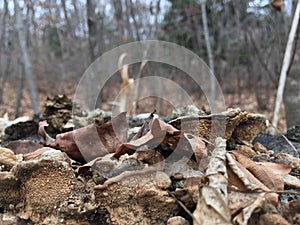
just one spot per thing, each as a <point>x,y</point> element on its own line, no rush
<point>234,122</point>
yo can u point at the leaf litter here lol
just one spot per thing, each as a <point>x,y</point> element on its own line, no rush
<point>95,175</point>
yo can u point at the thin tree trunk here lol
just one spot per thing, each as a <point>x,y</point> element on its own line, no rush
<point>128,26</point>
<point>210,56</point>
<point>20,90</point>
<point>134,21</point>
<point>285,65</point>
<point>92,28</point>
<point>4,44</point>
<point>26,59</point>
<point>70,30</point>
<point>157,10</point>
<point>119,18</point>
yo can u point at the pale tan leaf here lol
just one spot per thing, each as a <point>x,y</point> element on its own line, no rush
<point>246,213</point>
<point>212,206</point>
<point>291,181</point>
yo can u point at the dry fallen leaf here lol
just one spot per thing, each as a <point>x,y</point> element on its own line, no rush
<point>240,177</point>
<point>270,174</point>
<point>212,206</point>
<point>246,211</point>
<point>291,181</point>
<point>150,140</point>
<point>23,146</point>
<point>145,128</point>
<point>90,142</point>
<point>197,145</point>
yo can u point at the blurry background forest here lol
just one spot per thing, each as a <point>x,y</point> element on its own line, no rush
<point>59,39</point>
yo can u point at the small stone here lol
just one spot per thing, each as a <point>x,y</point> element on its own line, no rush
<point>177,220</point>
<point>246,150</point>
<point>260,148</point>
<point>178,176</point>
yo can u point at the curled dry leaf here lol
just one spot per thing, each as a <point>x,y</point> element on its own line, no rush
<point>197,145</point>
<point>156,135</point>
<point>212,206</point>
<point>90,142</point>
<point>291,181</point>
<point>247,211</point>
<point>270,174</point>
<point>237,177</point>
<point>41,131</point>
<point>246,174</point>
<point>145,127</point>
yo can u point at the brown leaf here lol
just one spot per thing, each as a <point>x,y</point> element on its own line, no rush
<point>212,206</point>
<point>47,140</point>
<point>270,174</point>
<point>156,135</point>
<point>36,153</point>
<point>246,211</point>
<point>197,146</point>
<point>23,146</point>
<point>245,174</point>
<point>291,181</point>
<point>145,128</point>
<point>90,142</point>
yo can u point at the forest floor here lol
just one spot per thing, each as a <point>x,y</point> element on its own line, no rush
<point>56,175</point>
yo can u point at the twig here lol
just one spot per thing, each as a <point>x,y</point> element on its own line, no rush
<point>182,205</point>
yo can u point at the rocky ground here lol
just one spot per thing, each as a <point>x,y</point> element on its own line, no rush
<point>77,167</point>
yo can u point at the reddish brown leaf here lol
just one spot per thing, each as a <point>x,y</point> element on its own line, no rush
<point>145,127</point>
<point>36,153</point>
<point>23,146</point>
<point>41,131</point>
<point>269,174</point>
<point>156,135</point>
<point>197,146</point>
<point>90,142</point>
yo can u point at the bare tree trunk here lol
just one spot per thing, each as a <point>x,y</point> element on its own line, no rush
<point>20,90</point>
<point>157,10</point>
<point>210,56</point>
<point>70,30</point>
<point>119,18</point>
<point>92,27</point>
<point>128,26</point>
<point>4,44</point>
<point>134,21</point>
<point>285,65</point>
<point>26,59</point>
